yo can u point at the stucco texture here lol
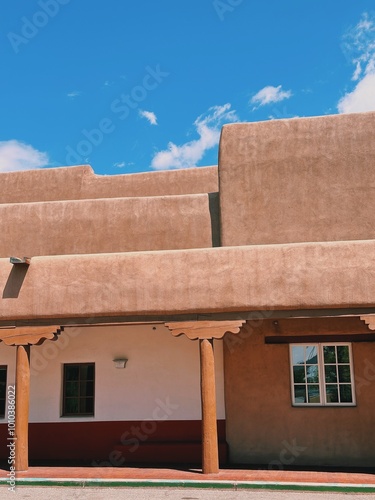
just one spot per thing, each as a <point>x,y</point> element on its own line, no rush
<point>105,225</point>
<point>298,276</point>
<point>79,183</point>
<point>262,425</point>
<point>298,180</point>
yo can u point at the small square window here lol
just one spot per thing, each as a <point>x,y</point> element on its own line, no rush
<point>322,374</point>
<point>78,389</point>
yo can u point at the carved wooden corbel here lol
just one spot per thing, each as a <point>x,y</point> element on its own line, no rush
<point>205,329</point>
<point>29,335</point>
<point>369,320</point>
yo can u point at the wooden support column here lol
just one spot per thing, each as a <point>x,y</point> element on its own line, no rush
<point>206,331</point>
<point>22,338</point>
<point>22,407</point>
<point>210,449</point>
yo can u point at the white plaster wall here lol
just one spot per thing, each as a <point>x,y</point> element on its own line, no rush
<point>161,369</point>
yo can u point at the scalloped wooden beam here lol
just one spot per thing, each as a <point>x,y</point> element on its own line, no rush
<point>369,320</point>
<point>31,335</point>
<point>205,329</point>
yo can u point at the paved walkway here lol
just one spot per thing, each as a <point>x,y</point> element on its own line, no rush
<point>181,476</point>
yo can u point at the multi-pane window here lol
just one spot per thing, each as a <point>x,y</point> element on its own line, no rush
<point>322,374</point>
<point>78,389</point>
<point>3,383</point>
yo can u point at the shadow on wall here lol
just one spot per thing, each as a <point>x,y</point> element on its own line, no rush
<point>14,282</point>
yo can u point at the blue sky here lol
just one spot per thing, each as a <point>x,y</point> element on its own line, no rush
<point>147,85</point>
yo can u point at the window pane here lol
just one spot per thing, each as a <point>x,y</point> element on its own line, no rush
<point>2,390</point>
<point>298,355</point>
<point>311,355</point>
<point>312,374</point>
<point>3,374</point>
<point>87,372</point>
<point>299,374</point>
<point>313,391</point>
<point>346,394</point>
<point>72,389</point>
<point>86,405</point>
<point>300,394</point>
<point>3,378</point>
<point>329,354</point>
<point>71,372</point>
<point>343,354</point>
<point>87,389</point>
<point>344,373</point>
<point>332,394</point>
<point>330,373</point>
<point>71,406</point>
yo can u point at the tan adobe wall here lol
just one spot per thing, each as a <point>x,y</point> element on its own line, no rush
<point>105,226</point>
<point>205,280</point>
<point>305,179</point>
<point>76,183</point>
<point>262,425</point>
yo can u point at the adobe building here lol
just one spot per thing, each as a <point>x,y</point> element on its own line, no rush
<point>223,314</point>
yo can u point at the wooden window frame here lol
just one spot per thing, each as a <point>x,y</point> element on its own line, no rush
<point>65,413</point>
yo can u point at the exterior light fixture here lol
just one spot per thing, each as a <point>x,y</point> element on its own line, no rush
<point>24,261</point>
<point>120,363</point>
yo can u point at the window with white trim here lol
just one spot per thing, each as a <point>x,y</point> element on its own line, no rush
<point>322,374</point>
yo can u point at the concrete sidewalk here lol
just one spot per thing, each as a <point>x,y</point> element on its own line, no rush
<point>361,482</point>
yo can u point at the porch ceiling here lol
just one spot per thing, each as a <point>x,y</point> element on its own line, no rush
<point>299,276</point>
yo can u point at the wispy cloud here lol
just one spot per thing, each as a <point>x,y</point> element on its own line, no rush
<point>122,164</point>
<point>268,95</point>
<point>15,155</point>
<point>73,94</point>
<point>149,115</point>
<point>359,47</point>
<point>188,155</point>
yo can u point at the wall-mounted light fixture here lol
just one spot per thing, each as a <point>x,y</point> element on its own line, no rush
<point>25,261</point>
<point>120,362</point>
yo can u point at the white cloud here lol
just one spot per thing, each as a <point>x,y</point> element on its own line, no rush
<point>187,155</point>
<point>15,155</point>
<point>123,164</point>
<point>359,47</point>
<point>150,116</point>
<point>361,99</point>
<point>270,94</point>
<point>74,93</point>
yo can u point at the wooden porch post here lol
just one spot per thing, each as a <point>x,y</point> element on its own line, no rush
<point>22,407</point>
<point>206,331</point>
<point>22,338</point>
<point>210,450</point>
